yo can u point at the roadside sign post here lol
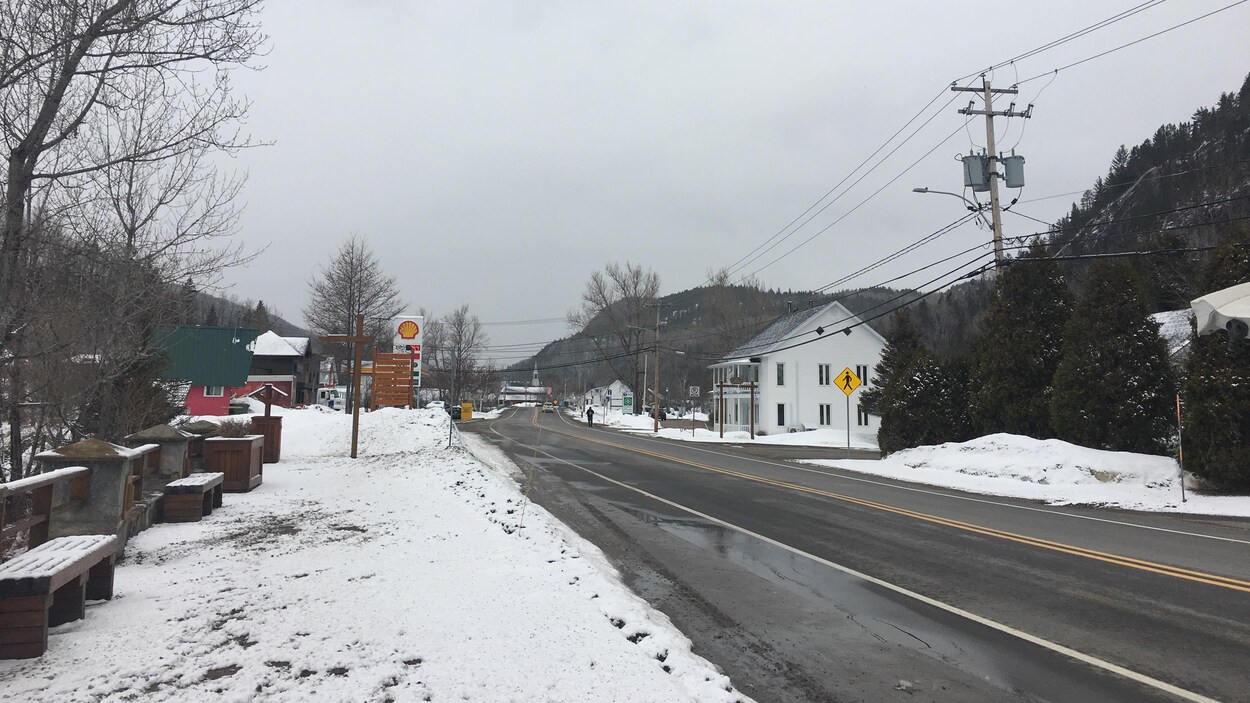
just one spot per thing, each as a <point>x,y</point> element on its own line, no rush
<point>848,382</point>
<point>358,341</point>
<point>1180,445</point>
<point>694,393</point>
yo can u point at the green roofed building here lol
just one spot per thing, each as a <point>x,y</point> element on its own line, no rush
<point>214,361</point>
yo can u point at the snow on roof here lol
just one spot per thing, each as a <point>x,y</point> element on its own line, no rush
<point>774,333</point>
<point>1174,327</point>
<point>270,344</point>
<point>299,344</point>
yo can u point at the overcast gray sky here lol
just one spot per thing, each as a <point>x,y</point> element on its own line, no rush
<point>495,154</point>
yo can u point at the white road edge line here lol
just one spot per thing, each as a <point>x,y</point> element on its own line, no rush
<point>1060,513</point>
<point>1006,629</point>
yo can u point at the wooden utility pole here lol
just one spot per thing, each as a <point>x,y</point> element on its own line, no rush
<point>358,341</point>
<point>987,94</point>
<point>655,392</point>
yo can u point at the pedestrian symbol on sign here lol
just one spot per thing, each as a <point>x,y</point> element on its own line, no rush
<point>848,381</point>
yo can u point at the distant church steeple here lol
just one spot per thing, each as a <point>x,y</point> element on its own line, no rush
<point>534,380</point>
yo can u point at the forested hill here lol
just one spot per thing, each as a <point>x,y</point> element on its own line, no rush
<point>1187,186</point>
<point>709,321</point>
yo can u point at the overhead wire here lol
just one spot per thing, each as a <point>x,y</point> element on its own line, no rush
<point>733,267</point>
<point>1119,16</point>
<point>1142,180</point>
<point>1135,41</point>
<point>863,202</point>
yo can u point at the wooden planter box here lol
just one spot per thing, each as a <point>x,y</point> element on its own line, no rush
<point>271,429</point>
<point>239,458</point>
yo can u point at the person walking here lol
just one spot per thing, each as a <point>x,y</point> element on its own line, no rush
<point>590,417</point>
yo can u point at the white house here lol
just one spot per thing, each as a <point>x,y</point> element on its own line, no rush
<point>797,364</point>
<point>609,396</point>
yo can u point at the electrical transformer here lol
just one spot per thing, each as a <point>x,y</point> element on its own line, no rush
<point>1013,169</point>
<point>976,172</point>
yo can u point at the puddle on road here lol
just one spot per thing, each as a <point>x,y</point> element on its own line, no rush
<point>889,617</point>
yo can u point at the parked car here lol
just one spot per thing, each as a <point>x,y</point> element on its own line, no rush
<point>647,411</point>
<point>549,407</point>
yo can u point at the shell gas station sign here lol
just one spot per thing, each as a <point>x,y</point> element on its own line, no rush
<point>409,331</point>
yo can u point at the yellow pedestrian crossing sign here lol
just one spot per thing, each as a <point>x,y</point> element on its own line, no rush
<point>848,381</point>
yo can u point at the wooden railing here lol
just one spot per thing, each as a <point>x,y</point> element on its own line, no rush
<point>35,514</point>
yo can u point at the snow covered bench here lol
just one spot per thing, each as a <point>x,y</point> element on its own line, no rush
<point>48,586</point>
<point>191,498</point>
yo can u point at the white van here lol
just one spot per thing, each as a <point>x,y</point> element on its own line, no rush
<point>333,398</point>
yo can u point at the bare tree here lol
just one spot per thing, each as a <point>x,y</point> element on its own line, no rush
<point>732,309</point>
<point>73,71</point>
<point>353,284</point>
<point>462,341</point>
<point>108,109</point>
<point>614,315</point>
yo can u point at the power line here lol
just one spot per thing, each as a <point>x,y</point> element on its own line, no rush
<point>863,202</point>
<point>1135,41</point>
<point>1125,14</point>
<point>539,321</point>
<point>750,258</point>
<point>732,267</point>
<point>1091,225</point>
<point>1142,180</point>
<point>905,250</point>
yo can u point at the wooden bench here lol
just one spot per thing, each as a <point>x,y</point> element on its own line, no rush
<point>191,498</point>
<point>48,586</point>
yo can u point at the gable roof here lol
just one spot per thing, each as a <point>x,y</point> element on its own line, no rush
<point>785,330</point>
<point>206,356</point>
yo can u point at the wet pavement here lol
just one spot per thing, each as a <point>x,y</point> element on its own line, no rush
<point>784,625</point>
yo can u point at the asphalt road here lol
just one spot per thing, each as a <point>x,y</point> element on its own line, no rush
<point>809,584</point>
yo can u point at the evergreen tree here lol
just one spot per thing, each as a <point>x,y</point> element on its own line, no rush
<point>212,319</point>
<point>957,376</point>
<point>257,318</point>
<point>1113,388</point>
<point>903,347</point>
<point>925,406</point>
<point>1017,353</point>
<point>919,400</point>
<point>1216,394</point>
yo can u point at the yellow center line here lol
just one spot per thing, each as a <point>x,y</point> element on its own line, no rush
<point>1131,562</point>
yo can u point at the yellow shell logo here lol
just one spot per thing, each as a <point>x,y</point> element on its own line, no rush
<point>408,329</point>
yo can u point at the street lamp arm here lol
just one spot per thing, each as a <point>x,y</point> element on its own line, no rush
<point>973,206</point>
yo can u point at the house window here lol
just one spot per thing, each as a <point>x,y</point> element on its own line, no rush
<point>824,414</point>
<point>861,417</point>
<point>822,371</point>
<point>214,391</point>
<point>861,370</point>
<point>781,374</point>
<point>781,414</point>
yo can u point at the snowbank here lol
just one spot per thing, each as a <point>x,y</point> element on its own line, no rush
<point>811,438</point>
<point>403,575</point>
<point>1048,470</point>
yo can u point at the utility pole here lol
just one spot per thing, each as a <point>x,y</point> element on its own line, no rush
<point>987,94</point>
<point>655,393</point>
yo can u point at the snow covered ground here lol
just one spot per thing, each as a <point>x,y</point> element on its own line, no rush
<point>1049,470</point>
<point>413,573</point>
<point>1052,471</point>
<point>812,438</point>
